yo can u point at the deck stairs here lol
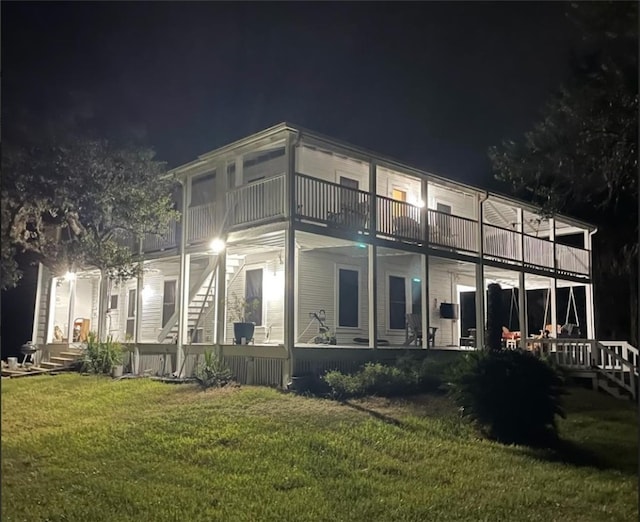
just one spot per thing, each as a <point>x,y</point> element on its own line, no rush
<point>202,305</point>
<point>60,359</point>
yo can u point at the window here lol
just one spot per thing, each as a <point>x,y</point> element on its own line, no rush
<point>444,219</point>
<point>349,198</point>
<point>398,209</point>
<point>397,303</point>
<point>416,296</point>
<point>348,297</point>
<point>168,301</point>
<point>113,302</point>
<point>202,189</point>
<point>253,295</point>
<point>130,331</point>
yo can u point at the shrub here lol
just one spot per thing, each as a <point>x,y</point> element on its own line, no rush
<point>101,356</point>
<point>408,376</point>
<point>512,395</point>
<point>212,372</point>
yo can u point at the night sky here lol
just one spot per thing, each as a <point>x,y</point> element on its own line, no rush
<point>431,84</point>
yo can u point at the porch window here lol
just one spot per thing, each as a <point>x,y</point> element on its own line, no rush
<point>253,294</point>
<point>348,297</point>
<point>168,301</point>
<point>397,303</point>
<point>131,315</point>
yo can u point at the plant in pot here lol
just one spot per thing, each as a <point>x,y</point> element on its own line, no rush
<point>240,312</point>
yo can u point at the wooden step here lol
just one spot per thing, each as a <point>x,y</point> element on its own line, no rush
<point>73,355</point>
<point>50,365</point>
<point>62,360</point>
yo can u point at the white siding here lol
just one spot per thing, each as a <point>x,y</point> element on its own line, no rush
<point>387,180</point>
<point>464,205</point>
<point>266,169</point>
<point>330,167</point>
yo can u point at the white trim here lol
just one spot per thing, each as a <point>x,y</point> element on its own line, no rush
<point>264,266</point>
<point>407,298</point>
<point>175,303</point>
<point>336,296</point>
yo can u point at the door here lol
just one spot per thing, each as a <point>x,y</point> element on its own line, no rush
<point>132,300</point>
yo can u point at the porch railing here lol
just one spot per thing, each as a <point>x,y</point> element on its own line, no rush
<point>502,243</point>
<point>331,204</point>
<point>201,222</point>
<point>257,201</point>
<point>571,259</point>
<point>538,252</point>
<point>452,231</point>
<point>399,220</point>
<point>154,243</point>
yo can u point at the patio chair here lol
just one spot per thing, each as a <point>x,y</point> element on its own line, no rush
<point>413,331</point>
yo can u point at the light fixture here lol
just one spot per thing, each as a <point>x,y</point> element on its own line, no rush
<point>70,276</point>
<point>217,245</point>
<point>362,245</point>
<point>420,203</point>
<point>416,279</point>
<point>146,292</point>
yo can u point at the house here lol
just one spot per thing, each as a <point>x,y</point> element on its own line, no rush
<point>334,244</point>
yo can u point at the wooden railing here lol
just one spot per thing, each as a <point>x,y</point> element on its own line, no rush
<point>155,243</point>
<point>399,220</point>
<point>331,204</point>
<point>538,252</point>
<point>452,231</point>
<point>257,201</point>
<point>502,243</point>
<point>201,222</point>
<point>624,350</point>
<point>571,259</point>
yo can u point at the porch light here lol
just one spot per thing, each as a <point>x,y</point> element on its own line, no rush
<point>146,292</point>
<point>420,203</point>
<point>362,245</point>
<point>217,245</point>
<point>70,276</point>
<point>416,279</point>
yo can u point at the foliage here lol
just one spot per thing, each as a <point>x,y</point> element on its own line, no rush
<point>581,158</point>
<point>101,356</point>
<point>291,455</point>
<point>408,376</point>
<point>212,372</point>
<point>241,309</point>
<point>76,201</point>
<point>494,315</point>
<point>513,395</point>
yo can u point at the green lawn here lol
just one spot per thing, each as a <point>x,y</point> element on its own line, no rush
<point>91,449</point>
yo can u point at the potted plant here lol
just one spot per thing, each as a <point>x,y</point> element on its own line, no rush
<point>240,311</point>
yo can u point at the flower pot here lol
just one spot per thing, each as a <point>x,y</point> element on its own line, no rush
<point>243,332</point>
<point>116,371</point>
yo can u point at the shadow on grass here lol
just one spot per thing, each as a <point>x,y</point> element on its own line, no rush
<point>377,415</point>
<point>575,454</point>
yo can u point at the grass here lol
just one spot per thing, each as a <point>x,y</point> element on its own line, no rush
<point>86,448</point>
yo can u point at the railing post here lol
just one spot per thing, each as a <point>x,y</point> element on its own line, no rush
<point>372,271</point>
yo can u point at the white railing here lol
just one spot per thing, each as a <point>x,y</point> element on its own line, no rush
<point>502,243</point>
<point>572,259</point>
<point>453,231</point>
<point>257,201</point>
<point>538,252</point>
<point>201,222</point>
<point>624,350</point>
<point>154,242</point>
<point>574,354</point>
<point>399,220</point>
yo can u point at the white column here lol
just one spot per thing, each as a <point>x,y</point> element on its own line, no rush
<point>424,265</point>
<point>480,284</point>
<point>183,319</point>
<point>51,310</point>
<point>522,304</point>
<point>289,301</point>
<point>554,286</point>
<point>221,298</point>
<point>588,292</point>
<point>72,305</point>
<point>373,257</point>
<point>239,177</point>
<point>36,309</point>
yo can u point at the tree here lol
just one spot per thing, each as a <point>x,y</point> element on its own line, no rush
<point>582,157</point>
<point>71,200</point>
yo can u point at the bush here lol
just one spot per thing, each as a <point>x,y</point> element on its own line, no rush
<point>212,372</point>
<point>101,356</point>
<point>407,377</point>
<point>512,395</point>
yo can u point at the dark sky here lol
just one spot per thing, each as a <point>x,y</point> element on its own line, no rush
<point>432,84</point>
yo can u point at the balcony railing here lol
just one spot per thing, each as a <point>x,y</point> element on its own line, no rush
<point>156,243</point>
<point>502,243</point>
<point>258,201</point>
<point>201,222</point>
<point>399,220</point>
<point>331,204</point>
<point>451,231</point>
<point>572,260</point>
<point>538,252</point>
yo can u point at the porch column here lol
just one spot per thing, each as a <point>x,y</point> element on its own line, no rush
<point>37,326</point>
<point>289,301</point>
<point>139,312</point>
<point>554,286</point>
<point>522,303</point>
<point>72,305</point>
<point>239,176</point>
<point>183,319</point>
<point>588,291</point>
<point>221,294</point>
<point>103,305</point>
<point>373,256</point>
<point>424,265</point>
<point>480,285</point>
<point>51,310</point>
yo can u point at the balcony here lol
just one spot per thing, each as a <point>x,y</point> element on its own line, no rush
<point>257,202</point>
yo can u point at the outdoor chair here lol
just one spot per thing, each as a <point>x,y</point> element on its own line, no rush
<point>413,331</point>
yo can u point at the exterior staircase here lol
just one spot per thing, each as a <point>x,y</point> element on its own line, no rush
<point>60,358</point>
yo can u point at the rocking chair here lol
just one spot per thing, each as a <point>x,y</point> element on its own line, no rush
<point>413,331</point>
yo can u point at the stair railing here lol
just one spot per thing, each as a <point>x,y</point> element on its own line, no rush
<point>615,368</point>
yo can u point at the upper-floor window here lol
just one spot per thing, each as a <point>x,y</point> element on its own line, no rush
<point>203,189</point>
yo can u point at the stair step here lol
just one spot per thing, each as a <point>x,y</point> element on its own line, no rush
<point>62,360</point>
<point>73,355</point>
<point>50,365</point>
